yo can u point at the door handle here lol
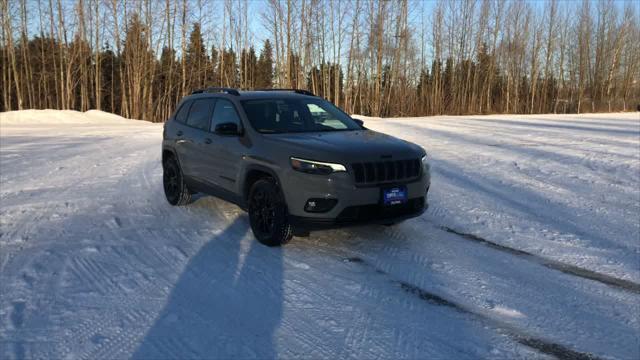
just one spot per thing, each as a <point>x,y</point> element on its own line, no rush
<point>179,133</point>
<point>207,141</point>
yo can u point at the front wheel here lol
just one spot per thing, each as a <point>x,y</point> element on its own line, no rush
<point>268,213</point>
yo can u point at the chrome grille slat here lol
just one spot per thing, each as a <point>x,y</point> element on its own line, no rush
<point>375,172</point>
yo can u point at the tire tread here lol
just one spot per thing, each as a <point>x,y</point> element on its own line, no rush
<point>184,196</point>
<point>284,233</point>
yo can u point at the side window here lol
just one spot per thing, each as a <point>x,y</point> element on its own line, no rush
<point>181,116</point>
<point>200,113</point>
<point>225,112</point>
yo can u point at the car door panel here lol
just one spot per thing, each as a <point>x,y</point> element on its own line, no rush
<point>179,132</point>
<point>224,153</point>
<point>194,134</point>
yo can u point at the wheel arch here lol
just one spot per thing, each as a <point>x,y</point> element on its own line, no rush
<point>254,173</point>
<point>168,153</point>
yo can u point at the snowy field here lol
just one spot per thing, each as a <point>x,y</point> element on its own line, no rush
<point>530,249</point>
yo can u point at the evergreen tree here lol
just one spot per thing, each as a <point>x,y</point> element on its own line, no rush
<point>197,59</point>
<point>110,65</point>
<point>264,73</point>
<point>229,71</point>
<point>168,77</point>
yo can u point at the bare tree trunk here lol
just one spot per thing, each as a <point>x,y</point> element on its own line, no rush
<point>183,44</point>
<point>354,34</point>
<point>534,65</point>
<point>583,43</point>
<point>378,35</point>
<point>26,60</point>
<point>4,57</point>
<point>12,54</point>
<point>98,60</point>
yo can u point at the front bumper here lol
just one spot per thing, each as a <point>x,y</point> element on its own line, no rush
<point>363,214</point>
<point>356,205</point>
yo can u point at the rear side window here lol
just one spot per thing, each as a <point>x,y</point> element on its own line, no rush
<point>181,116</point>
<point>200,113</point>
<point>225,113</point>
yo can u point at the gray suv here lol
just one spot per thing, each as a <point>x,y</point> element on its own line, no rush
<point>294,161</point>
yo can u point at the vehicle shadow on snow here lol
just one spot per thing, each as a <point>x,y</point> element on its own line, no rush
<point>227,302</point>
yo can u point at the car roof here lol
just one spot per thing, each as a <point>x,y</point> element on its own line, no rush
<point>250,95</point>
<point>256,94</point>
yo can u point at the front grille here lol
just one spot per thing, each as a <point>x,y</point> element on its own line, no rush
<point>385,171</point>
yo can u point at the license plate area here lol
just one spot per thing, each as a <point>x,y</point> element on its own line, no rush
<point>395,195</point>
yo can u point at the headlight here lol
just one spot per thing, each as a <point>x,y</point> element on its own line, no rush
<point>425,162</point>
<point>315,167</point>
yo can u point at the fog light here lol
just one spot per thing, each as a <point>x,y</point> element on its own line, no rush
<point>319,205</point>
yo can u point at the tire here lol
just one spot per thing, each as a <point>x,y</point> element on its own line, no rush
<point>175,189</point>
<point>268,213</point>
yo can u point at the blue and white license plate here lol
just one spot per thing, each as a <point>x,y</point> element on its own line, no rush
<point>394,195</point>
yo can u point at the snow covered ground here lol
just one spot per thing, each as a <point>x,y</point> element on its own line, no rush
<point>531,248</point>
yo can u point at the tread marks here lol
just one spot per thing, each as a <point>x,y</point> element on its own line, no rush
<point>552,264</point>
<point>91,276</point>
<point>543,346</point>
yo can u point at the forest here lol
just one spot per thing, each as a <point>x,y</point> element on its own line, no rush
<point>137,58</point>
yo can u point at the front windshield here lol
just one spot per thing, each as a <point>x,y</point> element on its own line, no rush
<point>298,114</point>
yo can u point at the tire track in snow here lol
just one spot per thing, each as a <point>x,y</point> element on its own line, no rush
<point>551,264</point>
<point>544,346</point>
<point>390,236</point>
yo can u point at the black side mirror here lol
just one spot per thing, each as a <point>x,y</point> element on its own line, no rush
<point>227,129</point>
<point>360,122</point>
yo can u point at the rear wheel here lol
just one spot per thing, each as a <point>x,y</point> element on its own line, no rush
<point>268,213</point>
<point>175,189</point>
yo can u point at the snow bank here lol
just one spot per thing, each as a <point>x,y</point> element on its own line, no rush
<point>49,117</point>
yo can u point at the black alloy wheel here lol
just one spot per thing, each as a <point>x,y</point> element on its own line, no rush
<point>268,213</point>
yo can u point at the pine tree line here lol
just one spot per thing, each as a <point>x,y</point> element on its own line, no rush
<point>372,57</point>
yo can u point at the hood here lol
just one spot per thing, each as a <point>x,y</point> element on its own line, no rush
<point>347,146</point>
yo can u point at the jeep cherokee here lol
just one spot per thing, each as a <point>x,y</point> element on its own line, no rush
<point>293,160</point>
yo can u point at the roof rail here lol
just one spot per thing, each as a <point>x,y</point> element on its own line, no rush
<point>297,91</point>
<point>230,91</point>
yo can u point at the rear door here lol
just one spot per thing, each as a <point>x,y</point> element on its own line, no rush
<point>178,132</point>
<point>196,133</point>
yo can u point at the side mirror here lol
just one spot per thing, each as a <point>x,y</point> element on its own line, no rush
<point>360,122</point>
<point>227,129</point>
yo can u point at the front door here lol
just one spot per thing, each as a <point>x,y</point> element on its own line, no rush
<point>225,151</point>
